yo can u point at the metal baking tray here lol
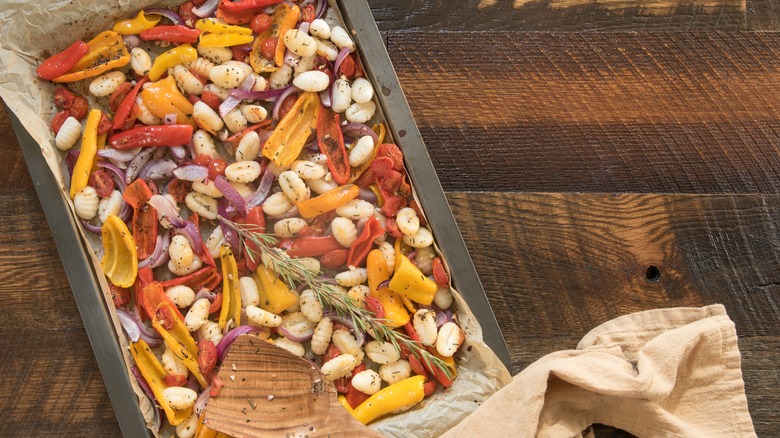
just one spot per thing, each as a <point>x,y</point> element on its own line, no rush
<point>82,277</point>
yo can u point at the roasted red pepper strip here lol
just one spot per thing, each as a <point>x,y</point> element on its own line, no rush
<point>313,246</point>
<point>364,242</point>
<point>138,195</point>
<point>126,107</point>
<point>331,143</point>
<point>255,217</point>
<point>245,5</point>
<point>174,34</point>
<point>206,255</point>
<point>153,295</point>
<point>207,358</point>
<point>162,135</point>
<point>439,273</point>
<point>207,277</point>
<point>59,64</point>
<point>335,259</point>
<point>145,277</point>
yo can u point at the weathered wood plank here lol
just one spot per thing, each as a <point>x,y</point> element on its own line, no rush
<point>560,15</point>
<point>762,15</point>
<point>617,112</point>
<point>13,170</point>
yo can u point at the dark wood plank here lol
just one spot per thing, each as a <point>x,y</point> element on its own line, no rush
<point>560,15</point>
<point>762,15</point>
<point>13,170</point>
<point>617,112</point>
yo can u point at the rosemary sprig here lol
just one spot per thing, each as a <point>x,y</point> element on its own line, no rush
<point>293,272</point>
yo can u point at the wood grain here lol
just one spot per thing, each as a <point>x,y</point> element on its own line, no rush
<point>560,15</point>
<point>762,15</point>
<point>617,112</point>
<point>269,392</point>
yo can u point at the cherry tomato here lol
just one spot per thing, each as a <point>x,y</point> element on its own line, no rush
<point>429,388</point>
<point>260,23</point>
<point>392,228</point>
<point>347,67</point>
<point>391,182</point>
<point>120,295</point>
<point>268,48</point>
<point>104,125</point>
<point>118,95</point>
<point>207,358</point>
<point>165,317</point>
<point>185,11</point>
<point>240,53</point>
<point>175,380</point>
<point>179,189</point>
<point>391,207</point>
<point>439,274</point>
<point>211,99</point>
<point>202,160</point>
<point>308,13</point>
<point>216,305</point>
<point>79,108</point>
<point>217,167</point>
<point>391,151</point>
<point>63,98</point>
<point>102,182</point>
<point>287,103</point>
<point>59,119</point>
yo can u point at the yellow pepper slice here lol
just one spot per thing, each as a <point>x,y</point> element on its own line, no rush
<point>177,55</point>
<point>380,198</point>
<point>290,135</point>
<point>395,314</point>
<point>400,395</point>
<point>330,200</point>
<point>284,18</point>
<point>106,51</point>
<point>163,97</point>
<point>224,39</point>
<point>231,292</point>
<point>154,374</point>
<point>409,281</point>
<point>87,154</point>
<point>289,21</point>
<point>215,26</point>
<point>181,343</point>
<point>275,296</point>
<point>119,262</point>
<point>136,25</point>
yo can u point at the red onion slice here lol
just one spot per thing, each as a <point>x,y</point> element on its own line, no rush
<point>291,58</point>
<point>442,317</point>
<point>167,13</point>
<point>166,209</point>
<point>169,119</point>
<point>118,177</point>
<point>131,41</point>
<point>206,9</point>
<point>202,401</point>
<point>178,153</point>
<point>289,334</point>
<point>231,195</point>
<point>93,228</point>
<point>116,154</point>
<point>383,284</point>
<point>191,232</point>
<point>232,101</point>
<point>293,212</point>
<point>322,6</point>
<point>160,254</point>
<point>205,293</point>
<point>325,97</point>
<point>278,104</point>
<point>263,189</point>
<point>357,130</point>
<point>224,345</point>
<point>191,172</point>
<point>130,326</point>
<point>257,95</point>
<point>296,327</point>
<point>367,195</point>
<point>137,163</point>
<point>70,159</point>
<point>157,169</point>
<point>339,59</point>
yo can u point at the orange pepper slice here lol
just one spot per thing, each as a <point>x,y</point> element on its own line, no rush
<point>106,51</point>
<point>290,135</point>
<point>327,201</point>
<point>119,262</point>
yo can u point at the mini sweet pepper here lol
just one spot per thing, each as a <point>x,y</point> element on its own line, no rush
<point>86,159</point>
<point>119,261</point>
<point>175,56</point>
<point>106,51</point>
<point>328,201</point>
<point>409,281</point>
<point>137,24</point>
<point>275,296</point>
<point>395,313</point>
<point>154,374</point>
<point>231,293</point>
<point>398,396</point>
<point>290,135</point>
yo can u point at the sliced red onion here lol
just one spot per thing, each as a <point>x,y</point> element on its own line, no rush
<point>125,212</point>
<point>202,401</point>
<point>159,254</point>
<point>191,172</point>
<point>206,9</point>
<point>191,232</point>
<point>131,41</point>
<point>192,383</point>
<point>167,13</point>
<point>291,58</point>
<point>339,59</point>
<point>118,177</point>
<point>325,97</point>
<point>293,212</point>
<point>157,169</point>
<point>137,163</point>
<point>278,104</point>
<point>336,317</point>
<point>70,159</point>
<point>233,101</point>
<point>116,154</point>
<point>169,119</point>
<point>224,345</point>
<point>166,209</point>
<point>205,293</point>
<point>179,153</point>
<point>130,326</point>
<point>291,335</point>
<point>383,284</point>
<point>92,228</point>
<point>231,194</point>
<point>304,26</point>
<point>120,164</point>
<point>367,195</point>
<point>149,336</point>
<point>257,95</point>
<point>228,233</point>
<point>263,189</point>
<point>191,149</point>
<point>442,317</point>
<point>143,383</point>
<point>357,130</point>
<point>322,6</point>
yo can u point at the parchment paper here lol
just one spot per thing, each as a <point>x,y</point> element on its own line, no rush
<point>34,30</point>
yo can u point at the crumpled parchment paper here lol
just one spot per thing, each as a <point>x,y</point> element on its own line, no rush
<point>33,31</point>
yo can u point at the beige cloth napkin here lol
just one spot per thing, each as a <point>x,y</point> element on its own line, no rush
<point>658,373</point>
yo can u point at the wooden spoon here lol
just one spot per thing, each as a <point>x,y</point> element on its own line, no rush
<point>269,392</point>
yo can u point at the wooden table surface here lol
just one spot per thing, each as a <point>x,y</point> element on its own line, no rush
<point>601,157</point>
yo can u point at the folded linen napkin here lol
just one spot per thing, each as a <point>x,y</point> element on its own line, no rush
<point>659,373</point>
